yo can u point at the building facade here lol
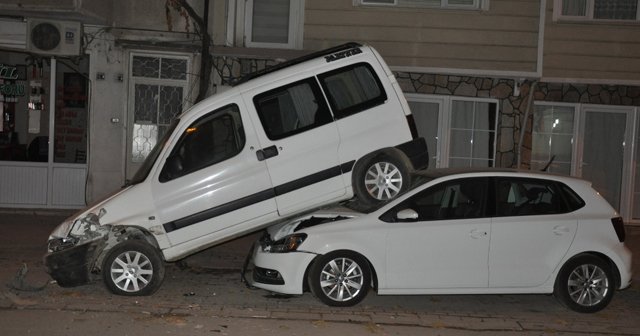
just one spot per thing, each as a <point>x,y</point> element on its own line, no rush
<point>534,84</point>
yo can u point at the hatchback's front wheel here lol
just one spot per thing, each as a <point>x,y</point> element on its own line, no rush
<point>585,284</point>
<point>133,268</point>
<point>340,278</point>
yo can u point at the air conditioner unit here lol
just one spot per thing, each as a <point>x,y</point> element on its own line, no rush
<point>51,37</point>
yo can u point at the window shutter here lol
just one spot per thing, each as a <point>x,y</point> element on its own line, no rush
<point>270,22</point>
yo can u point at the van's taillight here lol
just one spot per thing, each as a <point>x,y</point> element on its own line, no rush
<point>412,126</point>
<point>618,225</point>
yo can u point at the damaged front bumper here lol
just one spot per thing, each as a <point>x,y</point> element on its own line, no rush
<point>73,249</point>
<point>72,267</point>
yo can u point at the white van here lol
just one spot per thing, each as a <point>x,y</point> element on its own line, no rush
<point>309,132</point>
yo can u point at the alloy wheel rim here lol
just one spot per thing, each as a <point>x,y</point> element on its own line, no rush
<point>341,279</point>
<point>588,285</point>
<point>383,181</point>
<point>131,271</point>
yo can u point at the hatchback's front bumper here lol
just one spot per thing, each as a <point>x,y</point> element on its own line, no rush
<point>72,266</point>
<point>279,272</point>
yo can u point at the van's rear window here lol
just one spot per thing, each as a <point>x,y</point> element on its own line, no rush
<point>352,89</point>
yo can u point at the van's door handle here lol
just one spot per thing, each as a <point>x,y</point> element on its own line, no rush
<point>266,153</point>
<point>477,233</point>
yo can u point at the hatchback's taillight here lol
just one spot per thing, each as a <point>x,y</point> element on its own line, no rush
<point>618,225</point>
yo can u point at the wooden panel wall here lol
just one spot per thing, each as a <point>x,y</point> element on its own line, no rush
<point>502,38</point>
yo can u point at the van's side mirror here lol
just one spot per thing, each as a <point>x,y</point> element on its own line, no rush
<point>407,214</point>
<point>172,168</point>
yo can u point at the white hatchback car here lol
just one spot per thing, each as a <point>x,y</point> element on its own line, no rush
<point>456,232</point>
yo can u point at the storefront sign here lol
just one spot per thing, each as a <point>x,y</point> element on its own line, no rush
<point>12,89</point>
<point>8,72</point>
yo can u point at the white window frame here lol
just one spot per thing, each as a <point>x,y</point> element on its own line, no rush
<point>576,123</point>
<point>296,26</point>
<point>444,123</point>
<point>444,4</point>
<point>133,80</point>
<point>557,13</point>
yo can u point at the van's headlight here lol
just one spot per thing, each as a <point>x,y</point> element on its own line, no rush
<point>288,244</point>
<point>76,230</point>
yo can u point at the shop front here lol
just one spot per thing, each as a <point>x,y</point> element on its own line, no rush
<point>44,113</point>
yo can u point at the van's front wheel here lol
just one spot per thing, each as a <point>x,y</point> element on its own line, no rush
<point>133,268</point>
<point>381,178</point>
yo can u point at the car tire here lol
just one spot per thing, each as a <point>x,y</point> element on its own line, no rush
<point>133,268</point>
<point>381,177</point>
<point>340,279</point>
<point>585,284</point>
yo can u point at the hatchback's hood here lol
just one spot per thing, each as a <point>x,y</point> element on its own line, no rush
<point>329,215</point>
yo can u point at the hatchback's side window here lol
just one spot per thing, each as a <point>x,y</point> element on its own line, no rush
<point>213,138</point>
<point>352,89</point>
<point>527,197</point>
<point>457,199</point>
<point>292,109</point>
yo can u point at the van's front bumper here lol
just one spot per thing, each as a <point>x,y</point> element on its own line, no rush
<point>72,266</point>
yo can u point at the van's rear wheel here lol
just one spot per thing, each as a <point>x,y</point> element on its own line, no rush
<point>133,268</point>
<point>381,178</point>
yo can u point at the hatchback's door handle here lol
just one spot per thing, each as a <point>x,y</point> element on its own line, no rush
<point>560,230</point>
<point>266,153</point>
<point>476,234</point>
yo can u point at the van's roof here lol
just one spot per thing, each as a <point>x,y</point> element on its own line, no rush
<point>298,60</point>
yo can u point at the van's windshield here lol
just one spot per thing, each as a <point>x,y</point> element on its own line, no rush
<point>144,170</point>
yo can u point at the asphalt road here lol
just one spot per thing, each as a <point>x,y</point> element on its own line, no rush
<point>204,296</point>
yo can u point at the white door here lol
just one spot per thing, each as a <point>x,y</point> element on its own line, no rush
<point>529,235</point>
<point>212,186</point>
<point>158,87</point>
<point>299,143</point>
<point>448,245</point>
<point>607,135</point>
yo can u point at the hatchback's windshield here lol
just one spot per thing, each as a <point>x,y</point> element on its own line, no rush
<point>144,170</point>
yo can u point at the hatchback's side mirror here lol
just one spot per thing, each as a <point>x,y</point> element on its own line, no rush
<point>407,214</point>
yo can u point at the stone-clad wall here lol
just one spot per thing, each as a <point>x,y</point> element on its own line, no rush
<point>513,107</point>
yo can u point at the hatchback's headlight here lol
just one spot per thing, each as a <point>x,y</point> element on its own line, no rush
<point>288,244</point>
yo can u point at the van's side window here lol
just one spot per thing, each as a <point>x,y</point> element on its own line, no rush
<point>292,109</point>
<point>213,138</point>
<point>352,89</point>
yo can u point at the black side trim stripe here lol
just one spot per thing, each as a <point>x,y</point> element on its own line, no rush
<point>219,210</point>
<point>259,197</point>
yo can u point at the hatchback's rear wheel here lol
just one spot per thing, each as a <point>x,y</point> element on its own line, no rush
<point>340,278</point>
<point>585,284</point>
<point>133,268</point>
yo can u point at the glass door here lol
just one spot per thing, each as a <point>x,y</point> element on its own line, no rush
<point>607,134</point>
<point>427,115</point>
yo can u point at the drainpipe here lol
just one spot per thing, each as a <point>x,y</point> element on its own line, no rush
<point>532,87</point>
